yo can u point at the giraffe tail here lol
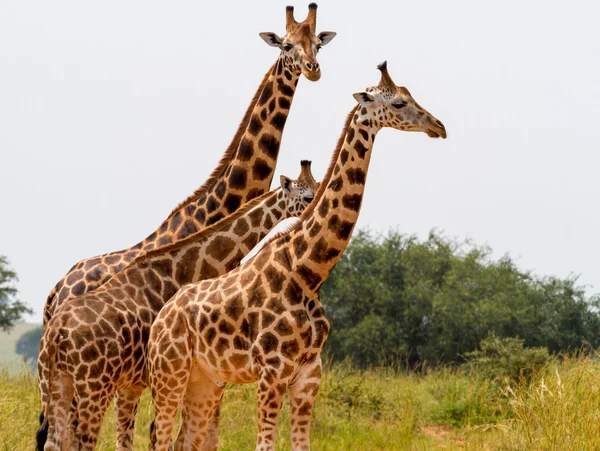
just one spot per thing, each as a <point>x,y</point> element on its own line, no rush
<point>46,363</point>
<point>49,306</point>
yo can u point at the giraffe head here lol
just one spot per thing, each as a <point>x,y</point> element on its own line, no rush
<point>300,192</point>
<point>388,105</point>
<point>300,45</point>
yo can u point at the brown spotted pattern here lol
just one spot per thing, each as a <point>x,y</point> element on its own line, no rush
<point>94,345</point>
<point>244,173</point>
<point>264,321</point>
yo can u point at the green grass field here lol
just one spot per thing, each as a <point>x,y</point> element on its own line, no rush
<point>385,410</point>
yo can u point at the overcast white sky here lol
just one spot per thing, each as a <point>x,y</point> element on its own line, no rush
<point>113,112</point>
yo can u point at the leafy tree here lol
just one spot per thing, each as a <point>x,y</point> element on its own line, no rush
<point>28,344</point>
<point>11,309</point>
<point>395,299</point>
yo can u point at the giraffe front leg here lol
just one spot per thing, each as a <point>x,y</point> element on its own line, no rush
<point>58,414</point>
<point>200,407</point>
<point>270,393</point>
<point>126,404</point>
<point>303,392</point>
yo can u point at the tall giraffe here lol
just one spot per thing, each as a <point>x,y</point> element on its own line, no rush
<point>264,321</point>
<point>244,172</point>
<point>94,345</point>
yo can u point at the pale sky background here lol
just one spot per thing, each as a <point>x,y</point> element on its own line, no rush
<point>113,112</point>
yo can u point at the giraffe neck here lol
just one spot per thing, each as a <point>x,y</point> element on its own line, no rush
<point>317,244</point>
<point>247,167</point>
<point>210,253</point>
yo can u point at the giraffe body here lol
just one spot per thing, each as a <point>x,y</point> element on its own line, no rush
<point>94,345</point>
<point>264,321</point>
<point>244,172</point>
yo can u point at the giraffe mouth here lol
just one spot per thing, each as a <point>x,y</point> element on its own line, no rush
<point>437,133</point>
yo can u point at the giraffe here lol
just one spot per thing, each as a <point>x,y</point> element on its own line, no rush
<point>244,172</point>
<point>94,345</point>
<point>263,322</point>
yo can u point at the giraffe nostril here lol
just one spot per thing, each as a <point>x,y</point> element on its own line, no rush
<point>309,66</point>
<point>439,124</point>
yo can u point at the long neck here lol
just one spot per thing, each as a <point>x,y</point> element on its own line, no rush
<point>211,252</point>
<point>247,168</point>
<point>325,231</point>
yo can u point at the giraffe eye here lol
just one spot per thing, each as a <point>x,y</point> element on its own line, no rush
<point>287,47</point>
<point>399,105</point>
<point>308,199</point>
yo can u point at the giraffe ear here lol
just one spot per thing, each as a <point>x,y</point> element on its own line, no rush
<point>286,184</point>
<point>326,37</point>
<point>271,38</point>
<point>364,98</point>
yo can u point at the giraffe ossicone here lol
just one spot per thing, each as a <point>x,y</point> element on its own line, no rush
<point>94,345</point>
<point>263,321</point>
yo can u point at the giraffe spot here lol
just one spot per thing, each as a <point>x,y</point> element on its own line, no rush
<point>256,216</point>
<point>245,150</point>
<point>266,93</point>
<point>241,227</point>
<point>188,229</point>
<point>306,336</point>
<point>211,358</point>
<point>220,189</point>
<point>154,300</point>
<point>271,106</point>
<point>263,114</point>
<point>269,145</point>
<point>253,321</point>
<point>134,276</point>
<point>278,121</point>
<point>300,246</point>
<point>112,259</point>
<point>275,305</point>
<point>282,257</point>
<point>321,333</point>
<point>352,201</point>
<point>240,343</point>
<point>163,267</point>
<point>221,346</point>
<point>210,335</point>
<point>273,361</point>
<point>268,223</point>
<point>324,207</point>
<point>226,327</point>
<point>275,278</point>
<point>284,103</point>
<point>74,277</point>
<point>169,290</point>
<point>356,175</point>
<point>152,280</point>
<point>238,360</point>
<point>283,327</point>
<point>285,89</point>
<point>364,134</point>
<point>78,289</point>
<point>360,149</point>
<point>254,192</point>
<point>254,125</point>
<point>349,136</point>
<point>238,178</point>
<point>342,228</point>
<point>336,184</point>
<point>261,169</point>
<point>220,247</point>
<point>164,240</point>
<point>200,216</point>
<point>266,319</point>
<point>300,317</point>
<point>268,342</point>
<point>90,353</point>
<point>290,349</point>
<point>212,204</point>
<point>251,240</point>
<point>175,221</point>
<point>232,202</point>
<point>256,294</point>
<point>311,278</point>
<point>293,293</point>
<point>335,203</point>
<point>322,253</point>
<point>215,218</point>
<point>316,228</point>
<point>207,271</point>
<point>234,307</point>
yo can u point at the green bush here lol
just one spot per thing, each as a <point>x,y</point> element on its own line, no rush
<point>507,360</point>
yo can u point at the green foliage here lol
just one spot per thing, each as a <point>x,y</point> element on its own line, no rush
<point>11,309</point>
<point>28,344</point>
<point>506,359</point>
<point>396,300</point>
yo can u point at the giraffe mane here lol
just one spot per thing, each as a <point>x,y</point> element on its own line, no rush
<point>322,186</point>
<point>233,146</point>
<point>206,231</point>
